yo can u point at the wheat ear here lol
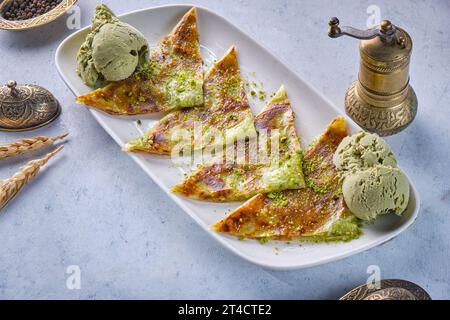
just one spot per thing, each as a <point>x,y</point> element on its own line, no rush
<point>10,187</point>
<point>27,145</point>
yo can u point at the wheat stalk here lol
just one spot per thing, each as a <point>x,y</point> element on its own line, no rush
<point>27,145</point>
<point>10,187</point>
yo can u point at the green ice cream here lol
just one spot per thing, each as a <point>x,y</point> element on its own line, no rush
<point>361,151</point>
<point>112,50</point>
<point>372,183</point>
<point>376,191</point>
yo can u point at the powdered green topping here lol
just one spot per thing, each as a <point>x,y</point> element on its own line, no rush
<point>184,90</point>
<point>140,143</point>
<point>278,199</point>
<point>244,129</point>
<point>286,174</point>
<point>344,229</point>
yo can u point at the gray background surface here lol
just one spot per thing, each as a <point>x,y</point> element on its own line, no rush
<point>95,208</point>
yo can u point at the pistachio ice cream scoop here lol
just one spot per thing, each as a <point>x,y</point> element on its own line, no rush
<point>376,191</point>
<point>361,151</point>
<point>372,183</point>
<point>117,50</point>
<point>112,51</point>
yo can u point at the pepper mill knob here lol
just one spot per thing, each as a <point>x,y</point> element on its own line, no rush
<point>11,84</point>
<point>333,29</point>
<point>385,25</point>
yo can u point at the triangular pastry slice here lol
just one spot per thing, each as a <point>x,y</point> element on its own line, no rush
<point>315,213</point>
<point>272,163</point>
<point>172,79</point>
<point>226,115</point>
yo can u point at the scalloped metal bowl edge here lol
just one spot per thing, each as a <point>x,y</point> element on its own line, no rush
<point>390,289</point>
<point>41,20</point>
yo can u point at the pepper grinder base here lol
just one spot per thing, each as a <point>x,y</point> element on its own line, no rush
<point>383,120</point>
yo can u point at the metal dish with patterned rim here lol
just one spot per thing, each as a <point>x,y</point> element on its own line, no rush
<point>392,289</point>
<point>45,18</point>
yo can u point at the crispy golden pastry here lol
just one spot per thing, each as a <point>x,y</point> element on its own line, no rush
<point>273,164</point>
<point>226,115</point>
<point>315,213</point>
<point>172,79</point>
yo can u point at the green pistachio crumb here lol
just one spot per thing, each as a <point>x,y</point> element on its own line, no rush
<point>278,199</point>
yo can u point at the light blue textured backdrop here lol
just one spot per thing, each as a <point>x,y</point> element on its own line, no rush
<point>95,208</point>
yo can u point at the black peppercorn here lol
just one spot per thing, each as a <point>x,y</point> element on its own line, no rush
<point>27,9</point>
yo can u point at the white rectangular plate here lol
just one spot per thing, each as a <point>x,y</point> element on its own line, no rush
<point>313,111</point>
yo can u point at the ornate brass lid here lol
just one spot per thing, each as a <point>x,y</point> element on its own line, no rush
<point>26,107</point>
<point>389,290</point>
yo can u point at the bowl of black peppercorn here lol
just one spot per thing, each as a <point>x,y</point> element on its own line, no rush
<point>27,14</point>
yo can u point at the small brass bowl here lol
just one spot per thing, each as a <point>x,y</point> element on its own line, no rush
<point>18,25</point>
<point>390,289</point>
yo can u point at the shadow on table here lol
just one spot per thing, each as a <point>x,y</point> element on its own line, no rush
<point>52,32</point>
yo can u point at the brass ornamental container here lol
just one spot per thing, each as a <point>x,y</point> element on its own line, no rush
<point>390,289</point>
<point>381,100</point>
<point>26,107</point>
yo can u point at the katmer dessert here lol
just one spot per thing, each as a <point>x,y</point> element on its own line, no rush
<point>112,51</point>
<point>170,79</point>
<point>373,185</point>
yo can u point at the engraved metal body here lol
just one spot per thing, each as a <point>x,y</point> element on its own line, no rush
<point>381,100</point>
<point>26,107</point>
<point>392,289</point>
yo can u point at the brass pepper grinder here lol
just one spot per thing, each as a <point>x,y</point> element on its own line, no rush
<point>381,100</point>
